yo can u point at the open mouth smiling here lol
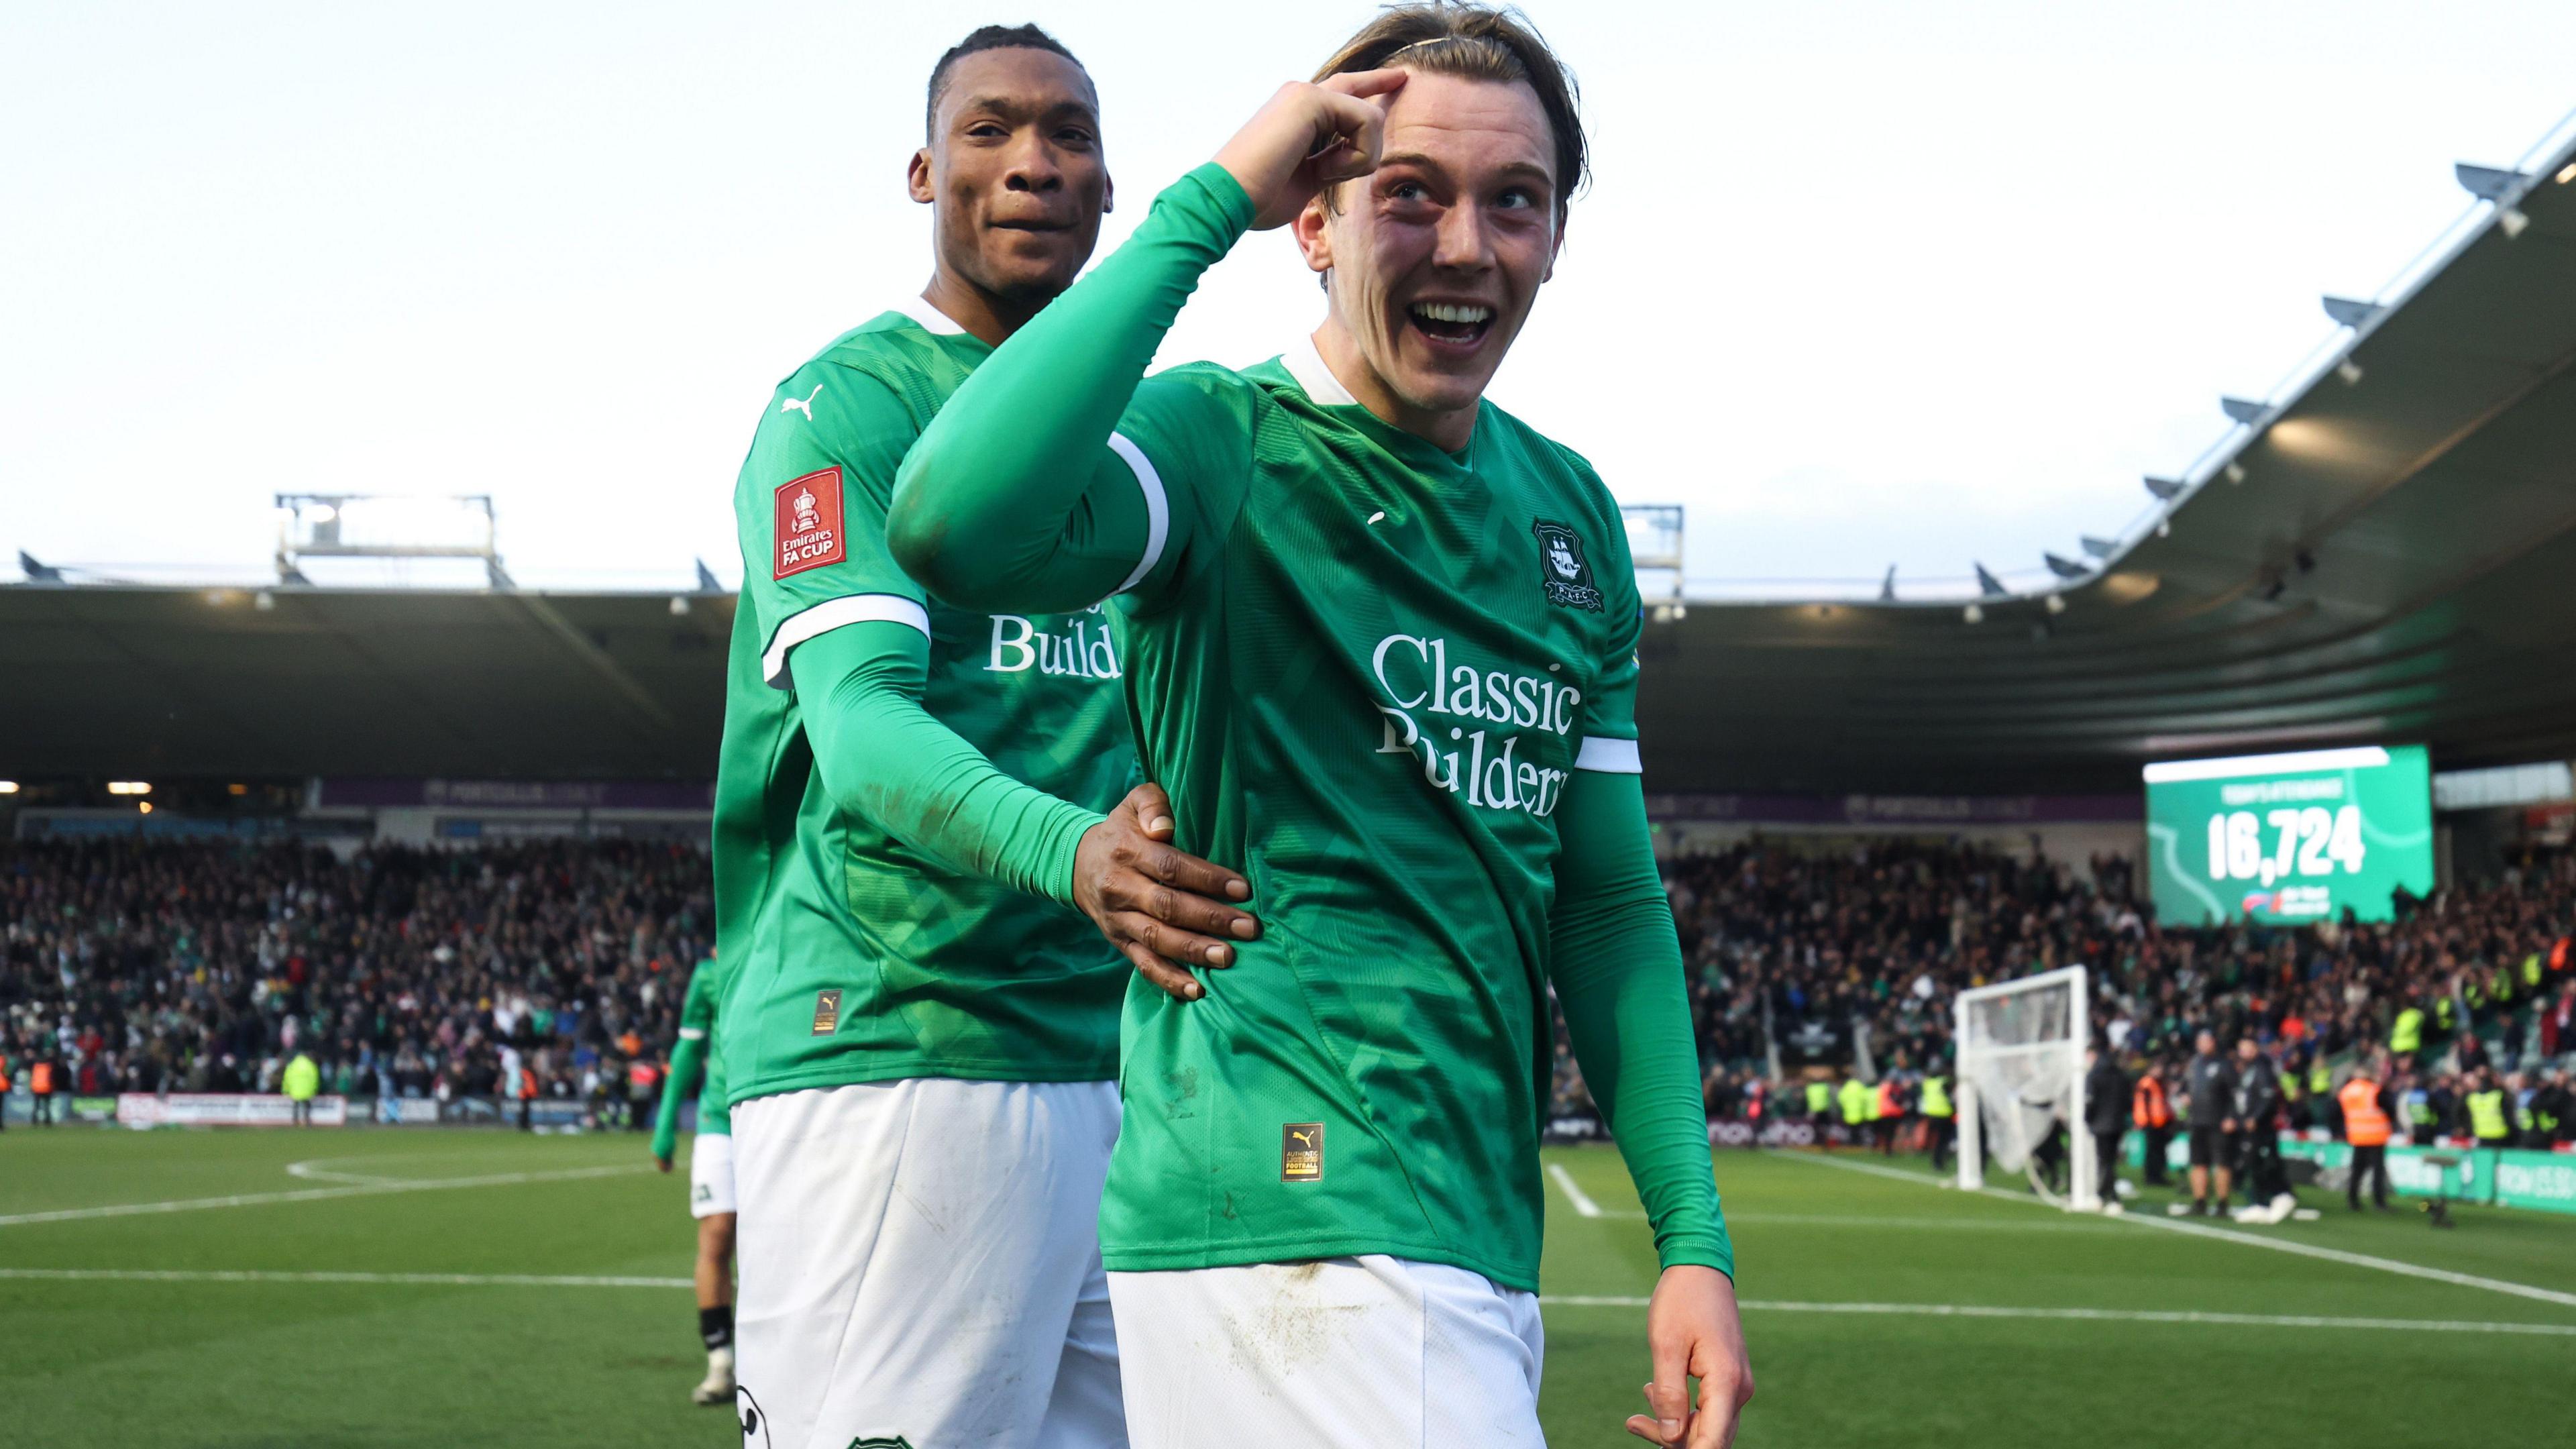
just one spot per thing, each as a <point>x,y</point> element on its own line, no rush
<point>1451,326</point>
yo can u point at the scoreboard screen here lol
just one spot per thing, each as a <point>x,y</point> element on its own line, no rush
<point>2283,840</point>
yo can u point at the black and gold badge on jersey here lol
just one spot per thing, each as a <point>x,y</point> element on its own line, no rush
<point>1564,574</point>
<point>827,1012</point>
<point>1301,1152</point>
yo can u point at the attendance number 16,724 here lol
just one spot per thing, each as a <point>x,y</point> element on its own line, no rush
<point>2309,841</point>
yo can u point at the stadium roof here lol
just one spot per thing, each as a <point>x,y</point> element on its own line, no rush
<point>473,684</point>
<point>2386,551</point>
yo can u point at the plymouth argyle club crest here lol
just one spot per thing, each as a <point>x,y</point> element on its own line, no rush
<point>1564,574</point>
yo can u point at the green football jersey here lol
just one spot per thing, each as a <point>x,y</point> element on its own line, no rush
<point>1365,669</point>
<point>853,957</point>
<point>698,1023</point>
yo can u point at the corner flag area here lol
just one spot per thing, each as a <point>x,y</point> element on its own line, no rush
<point>207,1288</point>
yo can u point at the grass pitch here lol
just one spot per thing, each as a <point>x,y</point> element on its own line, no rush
<point>395,1287</point>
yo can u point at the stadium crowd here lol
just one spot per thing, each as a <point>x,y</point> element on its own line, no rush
<point>555,969</point>
<point>1867,946</point>
<point>509,971</point>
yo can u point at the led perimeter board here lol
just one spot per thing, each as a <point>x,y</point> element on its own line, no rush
<point>2282,840</point>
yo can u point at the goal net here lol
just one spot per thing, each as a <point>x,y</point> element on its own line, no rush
<point>2021,1079</point>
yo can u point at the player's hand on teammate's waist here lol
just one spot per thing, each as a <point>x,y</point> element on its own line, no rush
<point>1306,138</point>
<point>1156,904</point>
<point>1692,1330</point>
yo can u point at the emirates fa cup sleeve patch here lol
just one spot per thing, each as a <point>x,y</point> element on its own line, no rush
<point>809,523</point>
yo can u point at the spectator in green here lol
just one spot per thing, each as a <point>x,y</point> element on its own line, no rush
<point>300,1081</point>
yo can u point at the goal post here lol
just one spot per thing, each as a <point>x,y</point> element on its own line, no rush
<point>2021,1077</point>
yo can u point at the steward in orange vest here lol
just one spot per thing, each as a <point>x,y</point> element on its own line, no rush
<point>2365,1126</point>
<point>2365,1122</point>
<point>40,1082</point>
<point>2153,1112</point>
<point>2147,1105</point>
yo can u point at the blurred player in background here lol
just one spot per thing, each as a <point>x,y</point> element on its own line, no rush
<point>1382,644</point>
<point>2209,1105</point>
<point>2106,1116</point>
<point>1940,1117</point>
<point>919,1041</point>
<point>694,1059</point>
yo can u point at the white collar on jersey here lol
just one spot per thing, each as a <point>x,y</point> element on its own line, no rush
<point>1306,365</point>
<point>932,320</point>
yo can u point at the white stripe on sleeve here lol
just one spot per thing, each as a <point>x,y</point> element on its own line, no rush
<point>1158,509</point>
<point>1609,756</point>
<point>829,615</point>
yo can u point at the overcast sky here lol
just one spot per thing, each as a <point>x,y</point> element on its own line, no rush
<point>1858,284</point>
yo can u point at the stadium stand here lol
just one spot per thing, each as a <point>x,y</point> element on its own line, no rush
<point>409,973</point>
<point>405,973</point>
<point>1812,958</point>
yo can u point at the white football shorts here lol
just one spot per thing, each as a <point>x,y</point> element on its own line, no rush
<point>1371,1352</point>
<point>710,1174</point>
<point>920,1260</point>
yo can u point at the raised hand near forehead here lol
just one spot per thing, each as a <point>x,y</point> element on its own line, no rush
<point>1156,904</point>
<point>1308,137</point>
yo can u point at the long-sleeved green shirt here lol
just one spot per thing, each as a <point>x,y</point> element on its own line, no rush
<point>903,783</point>
<point>1395,687</point>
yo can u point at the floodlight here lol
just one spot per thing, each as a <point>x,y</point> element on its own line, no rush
<point>2235,471</point>
<point>129,787</point>
<point>1973,614</point>
<point>2057,603</point>
<point>2488,183</point>
<point>8,787</point>
<point>2349,371</point>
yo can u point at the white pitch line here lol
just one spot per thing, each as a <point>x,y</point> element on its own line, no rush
<point>429,1280</point>
<point>312,1194</point>
<point>1927,1224</point>
<point>2104,1315</point>
<point>1574,1194</point>
<point>314,1171</point>
<point>1873,1223</point>
<point>2278,1245</point>
<point>1553,1300</point>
